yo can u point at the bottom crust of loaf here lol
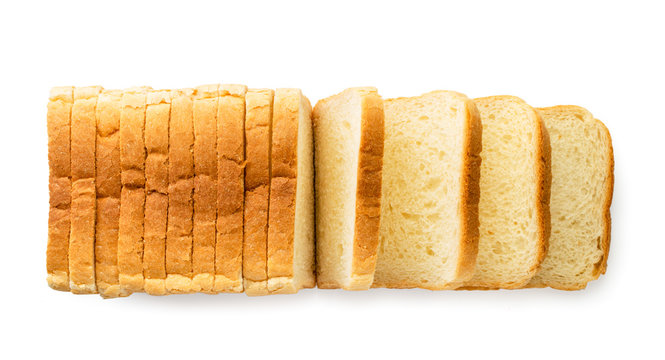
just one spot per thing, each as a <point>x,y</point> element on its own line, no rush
<point>155,287</point>
<point>224,284</point>
<point>178,284</point>
<point>58,280</point>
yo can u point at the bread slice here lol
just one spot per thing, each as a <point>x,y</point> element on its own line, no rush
<point>429,205</point>
<point>258,130</point>
<point>582,184</point>
<point>60,186</point>
<point>348,143</point>
<point>205,187</point>
<point>514,194</point>
<point>291,216</point>
<point>181,187</point>
<point>133,194</point>
<point>156,136</point>
<point>230,188</point>
<point>107,181</point>
<point>82,235</point>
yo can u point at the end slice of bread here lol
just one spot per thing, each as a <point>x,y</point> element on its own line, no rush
<point>60,186</point>
<point>514,194</point>
<point>348,141</point>
<point>291,215</point>
<point>429,204</point>
<point>582,184</point>
<point>258,132</point>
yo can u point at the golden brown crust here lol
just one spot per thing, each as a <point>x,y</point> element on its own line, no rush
<point>470,195</point>
<point>230,188</point>
<point>605,242</point>
<point>258,132</point>
<point>107,181</point>
<point>181,187</point>
<point>132,196</point>
<point>205,187</point>
<point>59,126</point>
<point>284,160</point>
<point>368,192</point>
<point>157,116</point>
<point>83,205</point>
<point>545,181</point>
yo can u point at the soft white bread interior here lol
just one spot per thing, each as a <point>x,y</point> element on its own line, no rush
<point>514,193</point>
<point>291,215</point>
<point>348,141</point>
<point>582,183</point>
<point>429,205</point>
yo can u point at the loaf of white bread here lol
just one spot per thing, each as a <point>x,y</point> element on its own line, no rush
<point>221,188</point>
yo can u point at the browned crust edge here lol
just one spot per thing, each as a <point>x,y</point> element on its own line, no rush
<point>284,161</point>
<point>83,203</point>
<point>470,196</point>
<point>204,118</point>
<point>368,191</point>
<point>58,119</point>
<point>156,138</point>
<point>259,105</point>
<point>230,188</point>
<point>108,186</point>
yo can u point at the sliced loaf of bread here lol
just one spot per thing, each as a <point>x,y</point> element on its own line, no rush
<point>291,215</point>
<point>429,204</point>
<point>348,142</point>
<point>582,183</point>
<point>514,194</point>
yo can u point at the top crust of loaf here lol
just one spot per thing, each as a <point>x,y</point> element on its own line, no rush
<point>367,204</point>
<point>543,184</point>
<point>469,196</point>
<point>541,279</point>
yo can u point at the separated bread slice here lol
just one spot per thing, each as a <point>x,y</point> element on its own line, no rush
<point>181,187</point>
<point>60,186</point>
<point>258,130</point>
<point>348,143</point>
<point>514,194</point>
<point>429,205</point>
<point>156,136</point>
<point>107,181</point>
<point>205,187</point>
<point>133,194</point>
<point>582,184</point>
<point>230,188</point>
<point>291,216</point>
<point>82,235</point>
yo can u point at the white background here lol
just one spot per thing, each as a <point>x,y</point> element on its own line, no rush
<point>606,56</point>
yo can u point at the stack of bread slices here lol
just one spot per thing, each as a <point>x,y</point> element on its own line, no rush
<point>222,188</point>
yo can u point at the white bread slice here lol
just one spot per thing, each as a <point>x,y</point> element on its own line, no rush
<point>181,187</point>
<point>291,215</point>
<point>82,235</point>
<point>205,187</point>
<point>60,185</point>
<point>429,205</point>
<point>132,196</point>
<point>582,184</point>
<point>258,130</point>
<point>107,181</point>
<point>514,194</point>
<point>348,143</point>
<point>157,114</point>
<point>230,188</point>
